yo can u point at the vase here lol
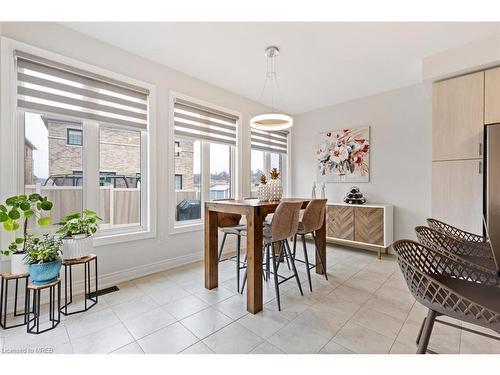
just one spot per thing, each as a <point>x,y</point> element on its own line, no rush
<point>18,265</point>
<point>263,193</point>
<point>77,247</point>
<point>275,190</point>
<point>44,273</point>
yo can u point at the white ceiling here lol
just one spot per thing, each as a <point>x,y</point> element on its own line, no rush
<point>320,63</point>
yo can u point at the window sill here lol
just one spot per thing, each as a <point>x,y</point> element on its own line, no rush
<point>114,238</point>
<point>186,228</point>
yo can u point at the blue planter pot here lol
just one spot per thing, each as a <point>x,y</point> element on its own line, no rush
<point>44,273</point>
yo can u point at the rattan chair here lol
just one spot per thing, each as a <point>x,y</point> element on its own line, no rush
<point>479,245</point>
<point>447,287</point>
<point>459,250</point>
<point>312,220</point>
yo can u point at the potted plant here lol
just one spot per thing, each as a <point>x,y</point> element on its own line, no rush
<point>76,231</point>
<point>275,187</point>
<point>22,208</point>
<point>43,254</point>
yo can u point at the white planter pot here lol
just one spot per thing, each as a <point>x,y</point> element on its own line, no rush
<point>77,247</point>
<point>263,193</point>
<point>17,264</point>
<point>275,190</point>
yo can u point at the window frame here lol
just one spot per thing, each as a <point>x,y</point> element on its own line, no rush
<point>12,121</point>
<point>68,130</point>
<point>176,227</point>
<point>267,167</point>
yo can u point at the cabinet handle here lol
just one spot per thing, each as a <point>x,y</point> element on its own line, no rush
<point>480,149</point>
<point>480,169</point>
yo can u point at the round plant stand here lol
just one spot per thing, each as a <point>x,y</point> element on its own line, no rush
<point>4,294</point>
<point>33,323</point>
<point>90,297</point>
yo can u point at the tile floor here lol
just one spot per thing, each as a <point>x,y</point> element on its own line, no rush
<point>364,307</point>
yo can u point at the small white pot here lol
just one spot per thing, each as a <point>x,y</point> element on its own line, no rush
<point>18,265</point>
<point>77,247</point>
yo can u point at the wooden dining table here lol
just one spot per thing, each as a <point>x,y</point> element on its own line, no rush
<point>255,212</point>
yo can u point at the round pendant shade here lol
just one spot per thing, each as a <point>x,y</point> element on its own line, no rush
<point>271,121</point>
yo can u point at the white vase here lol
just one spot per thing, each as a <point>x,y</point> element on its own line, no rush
<point>77,247</point>
<point>18,265</point>
<point>275,190</point>
<point>263,193</point>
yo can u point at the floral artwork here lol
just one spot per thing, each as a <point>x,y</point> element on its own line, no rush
<point>344,155</point>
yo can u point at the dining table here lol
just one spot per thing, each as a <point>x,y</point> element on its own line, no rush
<point>255,212</point>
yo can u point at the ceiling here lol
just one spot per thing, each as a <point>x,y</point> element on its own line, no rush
<point>320,64</point>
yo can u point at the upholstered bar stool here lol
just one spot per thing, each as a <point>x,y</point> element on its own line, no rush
<point>448,287</point>
<point>312,220</point>
<point>283,226</point>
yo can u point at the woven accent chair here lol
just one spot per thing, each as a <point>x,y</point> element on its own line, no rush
<point>284,225</point>
<point>230,224</point>
<point>480,244</point>
<point>447,287</point>
<point>311,221</point>
<point>460,250</point>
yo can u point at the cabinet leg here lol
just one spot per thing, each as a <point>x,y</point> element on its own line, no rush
<point>379,253</point>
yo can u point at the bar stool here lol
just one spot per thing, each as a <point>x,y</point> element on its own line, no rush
<point>37,289</point>
<point>89,301</point>
<point>283,226</point>
<point>312,220</point>
<point>4,293</point>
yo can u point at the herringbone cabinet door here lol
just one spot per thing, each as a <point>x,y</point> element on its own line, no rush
<point>369,225</point>
<point>340,222</point>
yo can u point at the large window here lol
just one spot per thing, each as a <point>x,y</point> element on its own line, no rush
<point>257,169</point>
<point>203,147</point>
<point>62,109</point>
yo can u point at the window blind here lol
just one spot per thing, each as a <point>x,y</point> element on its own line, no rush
<point>203,123</point>
<point>50,87</point>
<point>276,141</point>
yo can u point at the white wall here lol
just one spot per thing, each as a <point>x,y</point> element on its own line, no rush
<point>400,161</point>
<point>165,250</point>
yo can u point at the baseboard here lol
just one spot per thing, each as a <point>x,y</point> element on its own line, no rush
<point>122,276</point>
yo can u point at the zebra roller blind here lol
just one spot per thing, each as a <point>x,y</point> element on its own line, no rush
<point>199,122</point>
<point>50,87</point>
<point>270,141</point>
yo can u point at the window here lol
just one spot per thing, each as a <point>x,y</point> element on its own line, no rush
<point>74,137</point>
<point>205,139</point>
<point>269,151</point>
<point>178,182</point>
<point>177,149</point>
<point>109,175</point>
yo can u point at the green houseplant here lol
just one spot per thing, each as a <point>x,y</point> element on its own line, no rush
<point>21,209</point>
<point>43,254</point>
<point>76,232</point>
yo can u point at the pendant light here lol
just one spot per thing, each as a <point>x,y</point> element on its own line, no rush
<point>273,120</point>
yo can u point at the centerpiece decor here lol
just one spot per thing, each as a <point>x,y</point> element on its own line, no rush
<point>77,234</point>
<point>344,155</point>
<point>263,189</point>
<point>22,208</point>
<point>43,254</point>
<point>275,187</point>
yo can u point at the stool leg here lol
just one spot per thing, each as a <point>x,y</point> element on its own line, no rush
<point>426,333</point>
<point>238,249</point>
<point>318,256</point>
<point>294,245</point>
<point>222,245</point>
<point>306,258</point>
<point>287,246</point>
<point>275,274</point>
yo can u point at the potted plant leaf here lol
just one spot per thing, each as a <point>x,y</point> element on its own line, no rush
<point>76,231</point>
<point>22,208</point>
<point>43,254</point>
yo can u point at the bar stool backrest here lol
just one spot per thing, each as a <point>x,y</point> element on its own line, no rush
<point>314,215</point>
<point>285,220</point>
<point>455,232</point>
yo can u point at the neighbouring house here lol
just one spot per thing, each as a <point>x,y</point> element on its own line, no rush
<point>28,162</point>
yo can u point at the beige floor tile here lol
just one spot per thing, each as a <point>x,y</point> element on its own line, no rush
<point>392,307</point>
<point>186,306</point>
<point>163,296</point>
<point>134,307</point>
<point>235,307</point>
<point>216,295</point>
<point>403,348</point>
<point>362,340</point>
<point>379,322</point>
<point>206,322</point>
<point>127,292</point>
<point>233,339</point>
<point>472,343</point>
<point>198,348</point>
<point>265,323</point>
<point>333,348</point>
<point>169,340</point>
<point>132,348</point>
<point>82,325</point>
<point>105,340</point>
<point>350,294</point>
<point>266,348</point>
<point>50,339</point>
<point>361,283</point>
<point>149,322</point>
